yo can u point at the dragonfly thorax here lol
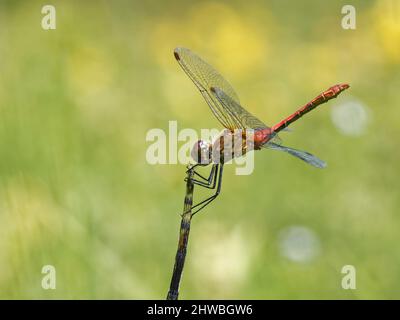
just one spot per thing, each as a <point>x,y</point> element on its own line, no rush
<point>228,145</point>
<point>202,152</point>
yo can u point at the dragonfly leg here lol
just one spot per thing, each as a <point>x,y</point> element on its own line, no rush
<point>190,167</point>
<point>201,176</point>
<point>209,182</point>
<point>207,201</point>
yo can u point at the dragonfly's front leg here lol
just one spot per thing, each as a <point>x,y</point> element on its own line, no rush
<point>202,204</point>
<point>209,182</point>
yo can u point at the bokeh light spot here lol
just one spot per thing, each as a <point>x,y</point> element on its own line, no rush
<point>299,244</point>
<point>350,118</point>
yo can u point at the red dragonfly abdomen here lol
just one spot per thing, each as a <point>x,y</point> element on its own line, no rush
<point>325,96</point>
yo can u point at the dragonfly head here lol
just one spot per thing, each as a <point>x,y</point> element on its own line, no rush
<point>202,152</point>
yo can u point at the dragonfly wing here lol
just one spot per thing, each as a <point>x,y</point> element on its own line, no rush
<point>241,115</point>
<point>204,76</point>
<point>303,155</point>
<point>243,118</point>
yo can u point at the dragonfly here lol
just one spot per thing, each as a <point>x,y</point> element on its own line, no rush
<point>225,105</point>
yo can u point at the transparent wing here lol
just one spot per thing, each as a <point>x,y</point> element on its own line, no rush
<point>244,118</point>
<point>241,116</point>
<point>303,155</point>
<point>204,77</point>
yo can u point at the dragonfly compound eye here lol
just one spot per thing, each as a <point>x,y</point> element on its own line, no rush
<point>201,152</point>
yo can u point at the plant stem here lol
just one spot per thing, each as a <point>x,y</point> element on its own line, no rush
<point>183,239</point>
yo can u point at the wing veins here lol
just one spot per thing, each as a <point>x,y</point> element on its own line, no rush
<point>209,99</point>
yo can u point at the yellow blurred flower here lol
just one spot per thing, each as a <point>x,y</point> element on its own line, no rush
<point>89,70</point>
<point>387,24</point>
<point>216,32</point>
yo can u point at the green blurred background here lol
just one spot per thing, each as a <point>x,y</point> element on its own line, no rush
<point>76,191</point>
